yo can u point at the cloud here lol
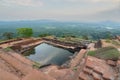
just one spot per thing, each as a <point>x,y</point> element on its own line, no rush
<point>106,1</point>
<point>91,1</point>
<point>84,10</point>
<point>21,2</point>
<point>110,14</point>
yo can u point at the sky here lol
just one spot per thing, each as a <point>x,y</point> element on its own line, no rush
<point>63,10</point>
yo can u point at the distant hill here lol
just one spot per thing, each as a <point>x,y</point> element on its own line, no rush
<point>59,28</point>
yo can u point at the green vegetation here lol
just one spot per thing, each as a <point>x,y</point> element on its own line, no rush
<point>71,39</point>
<point>75,69</point>
<point>68,35</point>
<point>36,65</point>
<point>1,40</point>
<point>25,32</point>
<point>59,29</point>
<point>108,41</point>
<point>91,53</point>
<point>116,43</point>
<point>44,35</point>
<point>85,37</point>
<point>8,35</point>
<point>109,35</point>
<point>106,53</point>
<point>7,49</point>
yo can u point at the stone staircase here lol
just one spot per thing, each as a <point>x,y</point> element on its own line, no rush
<point>16,67</point>
<point>97,69</point>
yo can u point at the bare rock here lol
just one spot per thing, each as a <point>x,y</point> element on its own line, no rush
<point>37,75</point>
<point>76,61</point>
<point>112,63</point>
<point>59,74</point>
<point>4,75</point>
<point>101,68</point>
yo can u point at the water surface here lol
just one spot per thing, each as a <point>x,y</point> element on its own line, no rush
<point>48,54</point>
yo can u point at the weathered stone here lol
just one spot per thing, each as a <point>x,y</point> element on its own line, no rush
<point>118,62</point>
<point>87,70</point>
<point>101,67</point>
<point>98,44</point>
<point>96,76</point>
<point>49,69</point>
<point>59,74</point>
<point>118,67</point>
<point>12,67</point>
<point>112,63</point>
<point>91,46</point>
<point>9,68</point>
<point>118,37</point>
<point>109,76</point>
<point>4,75</point>
<point>21,58</point>
<point>84,76</point>
<point>16,67</point>
<point>37,75</point>
<point>19,65</point>
<point>76,61</point>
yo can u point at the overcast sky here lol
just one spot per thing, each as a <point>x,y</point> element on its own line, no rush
<point>65,10</point>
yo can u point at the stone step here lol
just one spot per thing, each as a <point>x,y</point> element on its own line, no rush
<point>21,58</point>
<point>101,67</point>
<point>37,75</point>
<point>84,76</point>
<point>4,75</point>
<point>7,67</point>
<point>96,76</point>
<point>87,70</point>
<point>76,61</point>
<point>27,71</point>
<point>59,74</point>
<point>17,64</point>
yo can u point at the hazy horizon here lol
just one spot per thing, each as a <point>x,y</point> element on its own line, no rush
<point>61,10</point>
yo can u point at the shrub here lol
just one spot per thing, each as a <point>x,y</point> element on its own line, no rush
<point>7,49</point>
<point>25,32</point>
<point>106,53</point>
<point>91,53</point>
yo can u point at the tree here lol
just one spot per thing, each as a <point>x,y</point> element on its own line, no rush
<point>68,35</point>
<point>44,35</point>
<point>85,37</point>
<point>109,35</point>
<point>25,32</point>
<point>8,35</point>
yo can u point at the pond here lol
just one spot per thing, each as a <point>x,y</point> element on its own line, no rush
<point>48,54</point>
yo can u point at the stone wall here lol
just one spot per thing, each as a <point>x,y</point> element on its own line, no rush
<point>98,44</point>
<point>11,40</point>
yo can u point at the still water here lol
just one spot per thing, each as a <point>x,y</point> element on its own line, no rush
<point>48,54</point>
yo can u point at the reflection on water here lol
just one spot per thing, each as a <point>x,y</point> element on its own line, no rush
<point>48,54</point>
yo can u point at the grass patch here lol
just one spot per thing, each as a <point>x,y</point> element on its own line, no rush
<point>72,40</point>
<point>116,43</point>
<point>1,40</point>
<point>106,53</point>
<point>108,41</point>
<point>91,53</point>
<point>7,49</point>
